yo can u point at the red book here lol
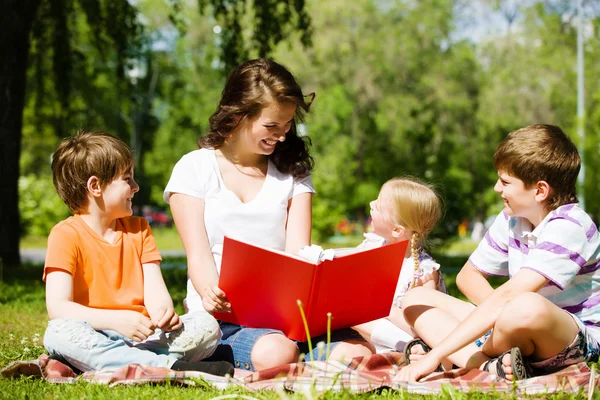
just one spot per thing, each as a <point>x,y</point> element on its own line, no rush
<point>263,287</point>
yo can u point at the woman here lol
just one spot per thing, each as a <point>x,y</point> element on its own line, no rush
<point>250,180</point>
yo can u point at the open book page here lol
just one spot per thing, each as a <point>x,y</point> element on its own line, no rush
<point>344,251</point>
<point>316,254</point>
<point>298,257</point>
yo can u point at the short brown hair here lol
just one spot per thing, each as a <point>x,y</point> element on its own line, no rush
<point>252,86</point>
<point>541,153</point>
<point>82,156</point>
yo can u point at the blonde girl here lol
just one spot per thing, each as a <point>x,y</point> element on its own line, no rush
<point>406,209</point>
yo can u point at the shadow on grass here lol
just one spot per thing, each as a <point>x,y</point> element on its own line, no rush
<point>23,283</point>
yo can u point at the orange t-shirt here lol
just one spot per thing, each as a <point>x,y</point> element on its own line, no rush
<point>105,275</point>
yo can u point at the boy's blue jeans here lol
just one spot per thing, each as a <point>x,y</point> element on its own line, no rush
<point>88,349</point>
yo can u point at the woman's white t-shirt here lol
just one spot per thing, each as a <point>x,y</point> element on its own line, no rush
<point>261,221</point>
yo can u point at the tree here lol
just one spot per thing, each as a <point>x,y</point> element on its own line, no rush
<point>395,96</point>
<point>187,93</point>
<point>44,31</point>
<point>64,46</point>
<point>16,17</point>
<point>253,28</point>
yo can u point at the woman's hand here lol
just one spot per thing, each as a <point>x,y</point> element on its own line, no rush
<point>215,300</point>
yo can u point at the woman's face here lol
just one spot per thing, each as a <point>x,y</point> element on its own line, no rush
<point>261,133</point>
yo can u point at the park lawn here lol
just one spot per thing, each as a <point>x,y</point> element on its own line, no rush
<point>166,239</point>
<point>23,320</point>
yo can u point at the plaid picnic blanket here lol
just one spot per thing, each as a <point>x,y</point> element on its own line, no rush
<point>361,374</point>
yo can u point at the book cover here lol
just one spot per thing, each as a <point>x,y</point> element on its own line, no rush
<point>264,286</point>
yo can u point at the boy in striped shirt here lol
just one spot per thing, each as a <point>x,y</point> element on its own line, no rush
<point>547,315</point>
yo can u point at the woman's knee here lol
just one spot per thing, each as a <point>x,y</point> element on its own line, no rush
<point>273,350</point>
<point>349,350</point>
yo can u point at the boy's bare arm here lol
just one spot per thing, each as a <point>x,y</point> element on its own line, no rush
<point>60,304</point>
<point>473,284</point>
<point>478,322</point>
<point>157,299</point>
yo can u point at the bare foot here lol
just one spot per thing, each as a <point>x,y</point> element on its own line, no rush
<point>492,366</point>
<point>417,352</point>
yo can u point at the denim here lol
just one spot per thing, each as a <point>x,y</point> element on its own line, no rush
<point>241,340</point>
<point>88,349</point>
<point>481,341</point>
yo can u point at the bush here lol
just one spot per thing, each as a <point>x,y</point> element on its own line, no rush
<point>39,205</point>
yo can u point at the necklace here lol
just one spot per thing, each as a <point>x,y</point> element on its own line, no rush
<point>251,172</point>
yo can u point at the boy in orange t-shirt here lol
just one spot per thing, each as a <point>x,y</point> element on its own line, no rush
<point>107,301</point>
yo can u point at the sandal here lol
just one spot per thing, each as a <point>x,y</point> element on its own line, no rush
<point>425,347</point>
<point>521,370</point>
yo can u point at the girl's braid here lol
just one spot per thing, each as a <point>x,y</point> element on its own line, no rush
<point>414,245</point>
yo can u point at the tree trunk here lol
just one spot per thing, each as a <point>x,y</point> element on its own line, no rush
<point>16,18</point>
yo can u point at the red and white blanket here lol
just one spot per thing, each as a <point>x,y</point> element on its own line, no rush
<point>357,375</point>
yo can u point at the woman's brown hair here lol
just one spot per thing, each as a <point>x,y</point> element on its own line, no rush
<point>251,87</point>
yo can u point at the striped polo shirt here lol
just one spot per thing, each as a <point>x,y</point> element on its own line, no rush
<point>564,247</point>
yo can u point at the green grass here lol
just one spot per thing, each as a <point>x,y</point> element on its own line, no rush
<point>23,320</point>
<point>166,239</point>
<point>34,242</point>
<point>458,247</point>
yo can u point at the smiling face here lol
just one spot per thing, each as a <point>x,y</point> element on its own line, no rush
<point>118,195</point>
<point>261,133</point>
<point>519,201</point>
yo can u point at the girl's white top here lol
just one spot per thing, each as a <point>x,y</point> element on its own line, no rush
<point>261,221</point>
<point>408,274</point>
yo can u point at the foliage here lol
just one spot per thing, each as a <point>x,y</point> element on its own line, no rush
<point>80,51</point>
<point>187,94</point>
<point>40,206</point>
<point>399,90</point>
<point>252,28</point>
<point>399,106</point>
<point>399,94</point>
